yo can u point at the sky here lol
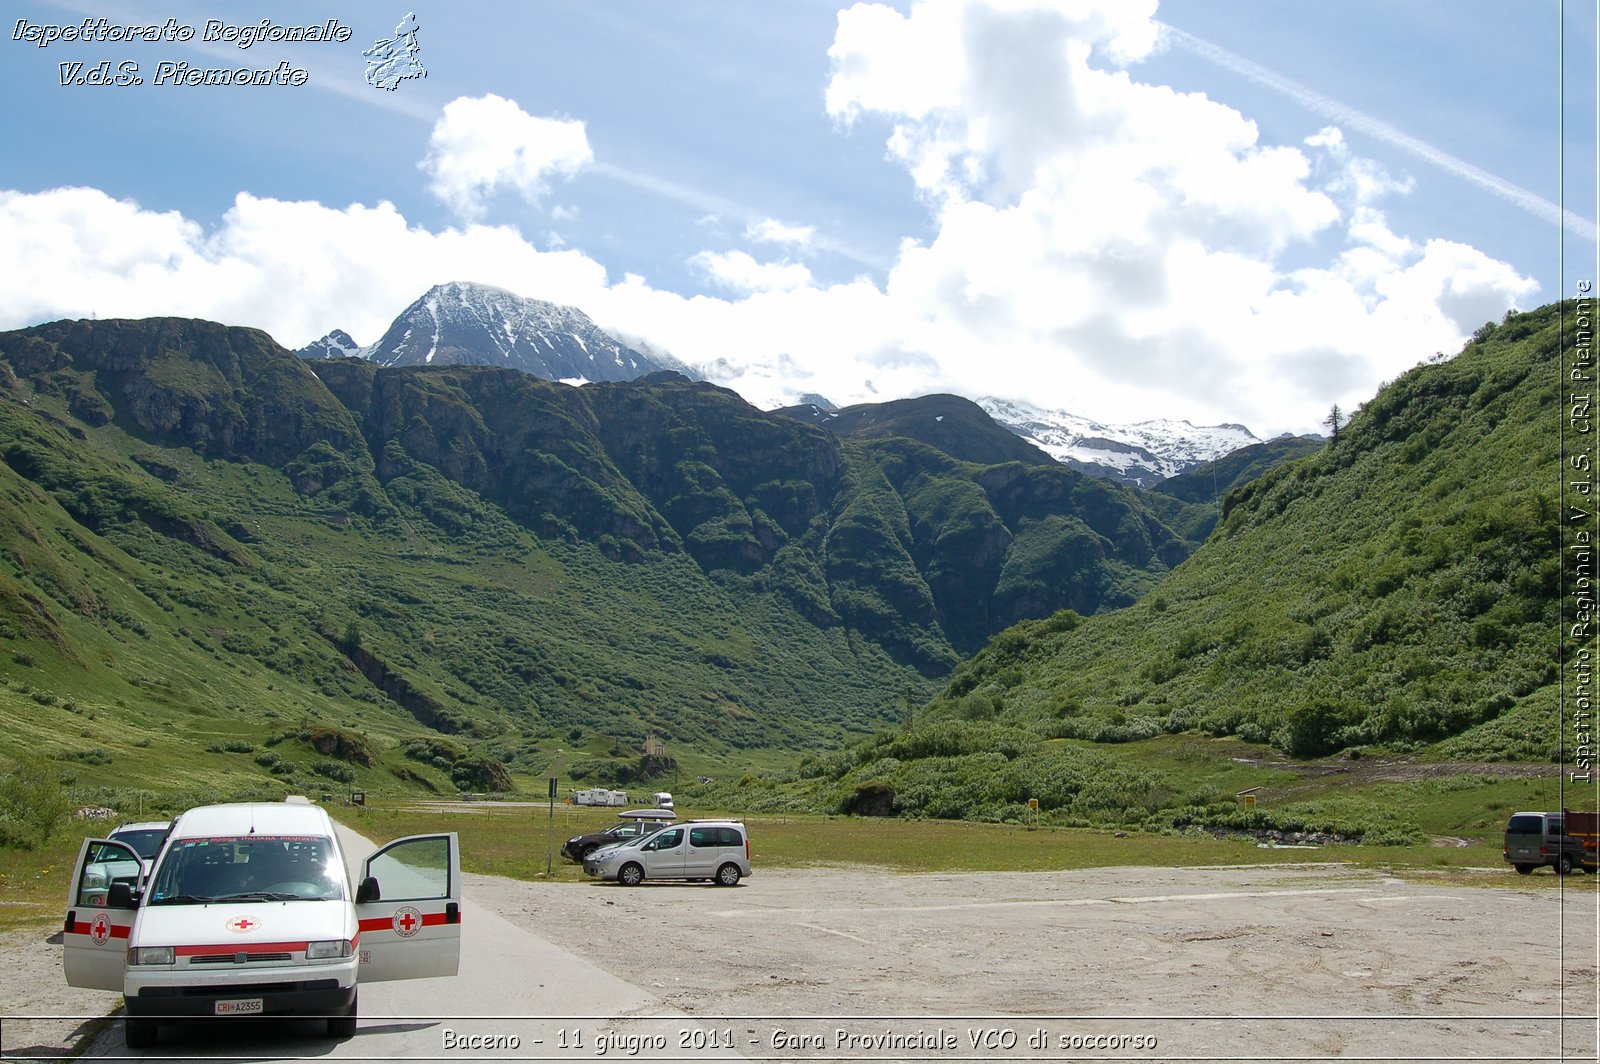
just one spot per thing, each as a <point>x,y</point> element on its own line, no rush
<point>1240,211</point>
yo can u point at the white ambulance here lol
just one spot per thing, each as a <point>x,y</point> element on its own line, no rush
<point>249,912</point>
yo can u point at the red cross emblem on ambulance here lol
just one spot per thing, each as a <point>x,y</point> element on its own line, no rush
<point>242,924</point>
<point>407,921</point>
<point>100,929</point>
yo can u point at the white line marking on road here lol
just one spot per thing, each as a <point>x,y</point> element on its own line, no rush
<point>841,934</point>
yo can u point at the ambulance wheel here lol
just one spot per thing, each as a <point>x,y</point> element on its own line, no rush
<point>630,875</point>
<point>139,1034</point>
<point>343,1026</point>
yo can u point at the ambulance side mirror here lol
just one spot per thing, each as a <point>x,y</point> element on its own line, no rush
<point>368,891</point>
<point>120,897</point>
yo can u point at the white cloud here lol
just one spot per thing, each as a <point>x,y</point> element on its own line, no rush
<point>485,143</point>
<point>1126,243</point>
<point>1375,127</point>
<point>1355,179</point>
<point>772,231</point>
<point>296,269</point>
<point>740,271</point>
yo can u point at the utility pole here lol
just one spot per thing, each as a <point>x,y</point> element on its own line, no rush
<point>550,832</point>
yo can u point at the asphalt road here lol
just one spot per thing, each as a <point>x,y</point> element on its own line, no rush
<point>517,996</point>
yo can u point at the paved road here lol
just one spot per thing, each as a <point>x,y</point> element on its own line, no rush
<point>511,980</point>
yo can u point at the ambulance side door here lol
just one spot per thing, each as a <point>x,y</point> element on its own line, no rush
<point>95,935</point>
<point>413,929</point>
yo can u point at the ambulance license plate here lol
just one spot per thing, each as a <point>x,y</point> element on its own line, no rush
<point>238,1007</point>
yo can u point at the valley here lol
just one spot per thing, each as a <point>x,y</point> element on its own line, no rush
<point>234,571</point>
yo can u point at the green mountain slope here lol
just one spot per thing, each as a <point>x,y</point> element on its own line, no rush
<point>1394,590</point>
<point>958,427</point>
<point>216,554</point>
<point>1191,502</point>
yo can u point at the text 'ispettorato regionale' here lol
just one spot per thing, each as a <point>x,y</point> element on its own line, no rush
<point>171,31</point>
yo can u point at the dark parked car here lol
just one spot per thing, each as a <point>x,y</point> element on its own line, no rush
<point>636,823</point>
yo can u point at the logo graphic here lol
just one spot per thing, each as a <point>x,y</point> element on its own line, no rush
<point>100,930</point>
<point>242,924</point>
<point>395,60</point>
<point>407,922</point>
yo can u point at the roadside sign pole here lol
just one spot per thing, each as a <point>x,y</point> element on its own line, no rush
<point>550,833</point>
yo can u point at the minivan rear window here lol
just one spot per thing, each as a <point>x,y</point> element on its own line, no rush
<point>145,840</point>
<point>1525,825</point>
<point>710,837</point>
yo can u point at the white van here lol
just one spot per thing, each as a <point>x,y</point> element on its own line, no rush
<point>249,912</point>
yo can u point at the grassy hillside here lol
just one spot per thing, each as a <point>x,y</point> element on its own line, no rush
<point>1393,594</point>
<point>224,568</point>
<point>1397,587</point>
<point>1191,502</point>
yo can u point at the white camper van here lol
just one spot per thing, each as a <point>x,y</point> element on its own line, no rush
<point>249,912</point>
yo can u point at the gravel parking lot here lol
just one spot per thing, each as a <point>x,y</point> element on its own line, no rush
<point>1308,962</point>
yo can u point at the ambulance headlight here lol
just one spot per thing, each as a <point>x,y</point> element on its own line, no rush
<point>327,951</point>
<point>150,955</point>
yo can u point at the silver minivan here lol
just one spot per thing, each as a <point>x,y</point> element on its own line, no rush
<point>715,850</point>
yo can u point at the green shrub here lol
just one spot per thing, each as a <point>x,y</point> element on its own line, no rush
<point>97,755</point>
<point>478,773</point>
<point>334,770</point>
<point>32,804</point>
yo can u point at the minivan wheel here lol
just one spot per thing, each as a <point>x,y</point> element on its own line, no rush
<point>343,1026</point>
<point>1564,864</point>
<point>630,875</point>
<point>1524,869</point>
<point>728,875</point>
<point>139,1034</point>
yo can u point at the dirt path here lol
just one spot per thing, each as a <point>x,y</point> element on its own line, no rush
<point>40,1015</point>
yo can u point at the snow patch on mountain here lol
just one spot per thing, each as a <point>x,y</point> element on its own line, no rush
<point>1144,453</point>
<point>336,344</point>
<point>480,325</point>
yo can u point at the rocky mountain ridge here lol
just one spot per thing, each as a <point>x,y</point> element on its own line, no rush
<point>463,323</point>
<point>1143,454</point>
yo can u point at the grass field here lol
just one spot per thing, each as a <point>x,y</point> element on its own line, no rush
<point>33,883</point>
<point>511,840</point>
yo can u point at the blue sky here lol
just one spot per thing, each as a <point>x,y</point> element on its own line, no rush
<point>1219,210</point>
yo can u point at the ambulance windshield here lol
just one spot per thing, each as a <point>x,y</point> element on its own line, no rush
<point>249,868</point>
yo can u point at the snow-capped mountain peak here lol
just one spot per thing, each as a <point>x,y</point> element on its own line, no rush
<point>477,324</point>
<point>336,344</point>
<point>1144,453</point>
